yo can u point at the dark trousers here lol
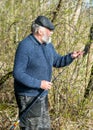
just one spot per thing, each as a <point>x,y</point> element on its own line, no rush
<point>38,116</point>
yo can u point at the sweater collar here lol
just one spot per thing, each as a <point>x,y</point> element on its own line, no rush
<point>35,40</point>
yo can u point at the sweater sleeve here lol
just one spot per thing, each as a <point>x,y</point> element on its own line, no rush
<point>20,65</point>
<point>61,61</point>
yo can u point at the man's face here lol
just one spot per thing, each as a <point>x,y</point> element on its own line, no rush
<point>46,35</point>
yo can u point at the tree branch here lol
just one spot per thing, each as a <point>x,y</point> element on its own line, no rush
<point>4,78</point>
<point>57,10</point>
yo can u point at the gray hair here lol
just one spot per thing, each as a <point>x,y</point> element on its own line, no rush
<point>34,28</point>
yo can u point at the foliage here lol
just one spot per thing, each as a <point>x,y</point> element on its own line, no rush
<point>67,109</point>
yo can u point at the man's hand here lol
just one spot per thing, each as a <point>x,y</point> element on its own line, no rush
<point>46,85</point>
<point>76,54</point>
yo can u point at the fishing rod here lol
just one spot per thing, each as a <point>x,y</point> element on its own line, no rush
<point>88,45</point>
<point>86,49</point>
<point>32,103</point>
<point>25,112</point>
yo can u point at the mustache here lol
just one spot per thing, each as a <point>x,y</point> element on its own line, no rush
<point>49,40</point>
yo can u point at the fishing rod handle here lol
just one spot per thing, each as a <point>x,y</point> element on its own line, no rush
<point>14,125</point>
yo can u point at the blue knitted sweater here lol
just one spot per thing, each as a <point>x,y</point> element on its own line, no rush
<point>33,63</point>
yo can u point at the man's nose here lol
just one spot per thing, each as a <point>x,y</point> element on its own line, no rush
<point>51,32</point>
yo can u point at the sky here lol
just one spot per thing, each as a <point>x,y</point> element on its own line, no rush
<point>89,2</point>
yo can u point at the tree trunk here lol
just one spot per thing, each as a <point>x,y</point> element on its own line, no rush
<point>76,15</point>
<point>90,85</point>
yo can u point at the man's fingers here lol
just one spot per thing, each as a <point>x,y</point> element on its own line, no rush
<point>50,83</point>
<point>77,54</point>
<point>46,85</point>
<point>49,86</point>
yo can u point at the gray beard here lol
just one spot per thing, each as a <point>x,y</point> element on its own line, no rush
<point>47,41</point>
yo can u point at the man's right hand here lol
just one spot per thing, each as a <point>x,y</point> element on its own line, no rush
<point>46,85</point>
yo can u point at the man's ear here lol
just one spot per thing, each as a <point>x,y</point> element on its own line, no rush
<point>40,32</point>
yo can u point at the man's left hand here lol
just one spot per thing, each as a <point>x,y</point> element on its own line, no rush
<point>77,54</point>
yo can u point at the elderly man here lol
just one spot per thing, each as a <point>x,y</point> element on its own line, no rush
<point>34,59</point>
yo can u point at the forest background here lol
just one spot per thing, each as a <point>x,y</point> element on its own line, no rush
<point>70,99</point>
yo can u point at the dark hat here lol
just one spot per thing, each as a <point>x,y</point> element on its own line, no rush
<point>44,22</point>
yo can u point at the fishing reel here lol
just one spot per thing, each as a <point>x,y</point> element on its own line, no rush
<point>87,46</point>
<point>91,32</point>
